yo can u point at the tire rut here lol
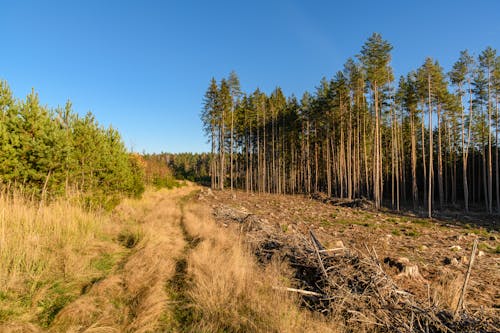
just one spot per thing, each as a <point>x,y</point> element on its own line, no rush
<point>178,286</point>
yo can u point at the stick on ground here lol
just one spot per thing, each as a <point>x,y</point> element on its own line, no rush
<point>460,304</point>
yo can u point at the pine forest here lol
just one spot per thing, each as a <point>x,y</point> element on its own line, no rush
<point>427,140</point>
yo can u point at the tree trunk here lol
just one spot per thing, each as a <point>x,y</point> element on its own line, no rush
<point>497,185</point>
<point>376,160</point>
<point>440,160</point>
<point>231,147</point>
<point>414,161</point>
<point>429,201</point>
<point>424,159</point>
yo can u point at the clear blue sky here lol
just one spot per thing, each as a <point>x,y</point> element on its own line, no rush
<point>143,66</point>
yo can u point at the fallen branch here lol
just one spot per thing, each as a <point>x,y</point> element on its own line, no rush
<point>299,291</point>
<point>460,304</point>
<point>317,247</point>
<point>333,250</point>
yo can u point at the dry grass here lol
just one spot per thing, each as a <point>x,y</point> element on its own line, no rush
<point>231,293</point>
<point>66,269</point>
<point>47,253</point>
<point>133,298</point>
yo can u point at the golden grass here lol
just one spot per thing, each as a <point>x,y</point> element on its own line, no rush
<point>64,269</point>
<point>231,293</point>
<point>133,298</point>
<point>47,254</point>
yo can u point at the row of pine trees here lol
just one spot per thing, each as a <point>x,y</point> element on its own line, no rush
<point>47,153</point>
<point>428,141</point>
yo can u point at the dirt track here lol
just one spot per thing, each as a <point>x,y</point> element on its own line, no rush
<point>134,298</point>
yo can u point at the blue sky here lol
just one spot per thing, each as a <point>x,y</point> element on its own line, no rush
<point>143,66</point>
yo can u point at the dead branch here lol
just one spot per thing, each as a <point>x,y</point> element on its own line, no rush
<point>460,304</point>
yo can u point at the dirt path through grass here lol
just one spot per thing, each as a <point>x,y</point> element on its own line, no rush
<point>135,297</point>
<point>177,270</point>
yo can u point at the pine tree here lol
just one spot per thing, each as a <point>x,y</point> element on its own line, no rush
<point>459,76</point>
<point>208,118</point>
<point>375,57</point>
<point>235,92</point>
<point>487,65</point>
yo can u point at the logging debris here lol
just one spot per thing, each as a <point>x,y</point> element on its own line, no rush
<point>351,284</point>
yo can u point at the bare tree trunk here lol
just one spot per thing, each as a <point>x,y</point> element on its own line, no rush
<point>497,185</point>
<point>222,151</point>
<point>365,154</point>
<point>308,159</point>
<point>342,173</point>
<point>377,166</point>
<point>429,203</point>
<point>231,147</point>
<point>264,156</point>
<point>440,160</point>
<point>467,144</point>
<point>316,163</point>
<point>424,159</point>
<point>490,166</point>
<point>349,157</point>
<point>396,149</point>
<point>213,166</point>
<point>328,167</point>
<point>403,160</point>
<point>393,162</point>
<point>273,152</point>
<point>485,176</point>
<point>414,161</point>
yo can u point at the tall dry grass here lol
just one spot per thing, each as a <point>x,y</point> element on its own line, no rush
<point>230,292</point>
<point>133,298</point>
<point>47,254</point>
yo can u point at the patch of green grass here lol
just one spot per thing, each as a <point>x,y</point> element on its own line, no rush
<point>412,233</point>
<point>104,263</point>
<point>345,222</point>
<point>129,238</point>
<point>392,220</point>
<point>57,298</point>
<point>182,314</point>
<point>325,223</point>
<point>396,232</point>
<point>478,231</point>
<point>284,227</point>
<point>488,248</point>
<point>3,296</point>
<point>168,182</point>
<point>6,314</point>
<point>190,196</point>
<point>422,222</point>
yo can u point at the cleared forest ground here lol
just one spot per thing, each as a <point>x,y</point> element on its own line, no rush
<point>440,248</point>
